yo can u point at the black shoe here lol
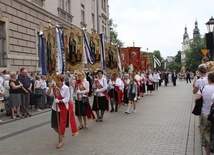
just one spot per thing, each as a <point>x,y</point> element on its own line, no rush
<point>112,110</point>
<point>97,120</point>
<point>115,110</point>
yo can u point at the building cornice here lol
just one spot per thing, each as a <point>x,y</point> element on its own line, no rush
<point>44,12</point>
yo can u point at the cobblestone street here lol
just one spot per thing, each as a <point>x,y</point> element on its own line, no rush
<point>162,125</point>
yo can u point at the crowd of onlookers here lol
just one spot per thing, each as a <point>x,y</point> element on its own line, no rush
<point>203,86</point>
<point>20,91</point>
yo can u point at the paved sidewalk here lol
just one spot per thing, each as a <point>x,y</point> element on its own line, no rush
<point>162,125</point>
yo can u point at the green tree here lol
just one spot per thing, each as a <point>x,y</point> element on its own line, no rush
<point>194,55</point>
<point>176,65</point>
<point>157,54</point>
<point>178,57</point>
<point>114,34</point>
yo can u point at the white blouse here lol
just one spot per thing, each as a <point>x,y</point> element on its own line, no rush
<point>64,91</point>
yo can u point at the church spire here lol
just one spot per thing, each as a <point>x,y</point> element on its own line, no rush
<point>196,31</point>
<point>186,35</point>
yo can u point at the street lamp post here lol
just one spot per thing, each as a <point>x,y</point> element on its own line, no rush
<point>210,37</point>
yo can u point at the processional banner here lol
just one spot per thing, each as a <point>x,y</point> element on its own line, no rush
<point>111,59</point>
<point>95,46</point>
<point>73,44</point>
<point>134,57</point>
<point>50,52</point>
<point>143,63</point>
<point>124,55</point>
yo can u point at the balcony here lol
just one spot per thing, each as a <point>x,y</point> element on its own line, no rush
<point>64,15</point>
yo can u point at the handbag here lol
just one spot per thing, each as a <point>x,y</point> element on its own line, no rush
<point>38,91</point>
<point>211,115</point>
<point>198,105</point>
<point>85,100</point>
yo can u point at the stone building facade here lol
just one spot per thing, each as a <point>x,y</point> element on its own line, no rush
<point>21,21</point>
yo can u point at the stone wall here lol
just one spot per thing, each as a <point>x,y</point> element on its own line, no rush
<point>22,20</point>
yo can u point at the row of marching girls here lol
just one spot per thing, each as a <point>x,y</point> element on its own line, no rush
<point>62,106</point>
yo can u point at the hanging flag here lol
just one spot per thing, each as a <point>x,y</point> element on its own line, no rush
<point>103,58</point>
<point>85,61</point>
<point>88,48</point>
<point>156,61</point>
<point>60,54</point>
<point>118,58</point>
<point>42,50</point>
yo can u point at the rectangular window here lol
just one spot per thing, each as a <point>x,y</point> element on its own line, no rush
<point>67,6</point>
<point>61,4</point>
<point>82,13</point>
<point>2,43</point>
<point>103,5</point>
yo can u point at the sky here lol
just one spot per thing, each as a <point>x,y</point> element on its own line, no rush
<point>159,24</point>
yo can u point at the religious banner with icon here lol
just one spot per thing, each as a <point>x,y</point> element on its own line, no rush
<point>134,57</point>
<point>50,52</point>
<point>95,46</point>
<point>143,63</point>
<point>111,59</point>
<point>124,55</point>
<point>73,46</point>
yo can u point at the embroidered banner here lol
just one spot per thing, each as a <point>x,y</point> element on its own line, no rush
<point>111,59</point>
<point>124,55</point>
<point>143,63</point>
<point>50,52</point>
<point>134,57</point>
<point>73,42</point>
<point>95,46</point>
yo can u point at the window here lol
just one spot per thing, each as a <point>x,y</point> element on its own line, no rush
<point>82,13</point>
<point>103,5</point>
<point>61,4</point>
<point>67,6</point>
<point>2,43</point>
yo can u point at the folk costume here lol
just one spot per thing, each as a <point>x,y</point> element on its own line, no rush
<point>142,85</point>
<point>137,79</point>
<point>82,108</point>
<point>125,98</point>
<point>116,90</point>
<point>149,83</point>
<point>101,97</point>
<point>61,109</point>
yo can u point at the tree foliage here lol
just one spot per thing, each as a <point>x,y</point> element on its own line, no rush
<point>176,65</point>
<point>194,55</point>
<point>114,34</point>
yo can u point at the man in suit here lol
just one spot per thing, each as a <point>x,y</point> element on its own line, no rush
<point>174,77</point>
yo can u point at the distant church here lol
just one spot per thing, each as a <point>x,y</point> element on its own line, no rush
<point>186,41</point>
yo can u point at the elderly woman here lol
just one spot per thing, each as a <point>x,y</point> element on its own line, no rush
<point>82,90</point>
<point>205,127</point>
<point>60,107</point>
<point>15,95</point>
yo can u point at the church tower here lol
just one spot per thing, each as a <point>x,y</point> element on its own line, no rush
<point>186,35</point>
<point>196,31</point>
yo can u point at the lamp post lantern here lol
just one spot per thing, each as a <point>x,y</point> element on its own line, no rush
<point>210,37</point>
<point>210,25</point>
